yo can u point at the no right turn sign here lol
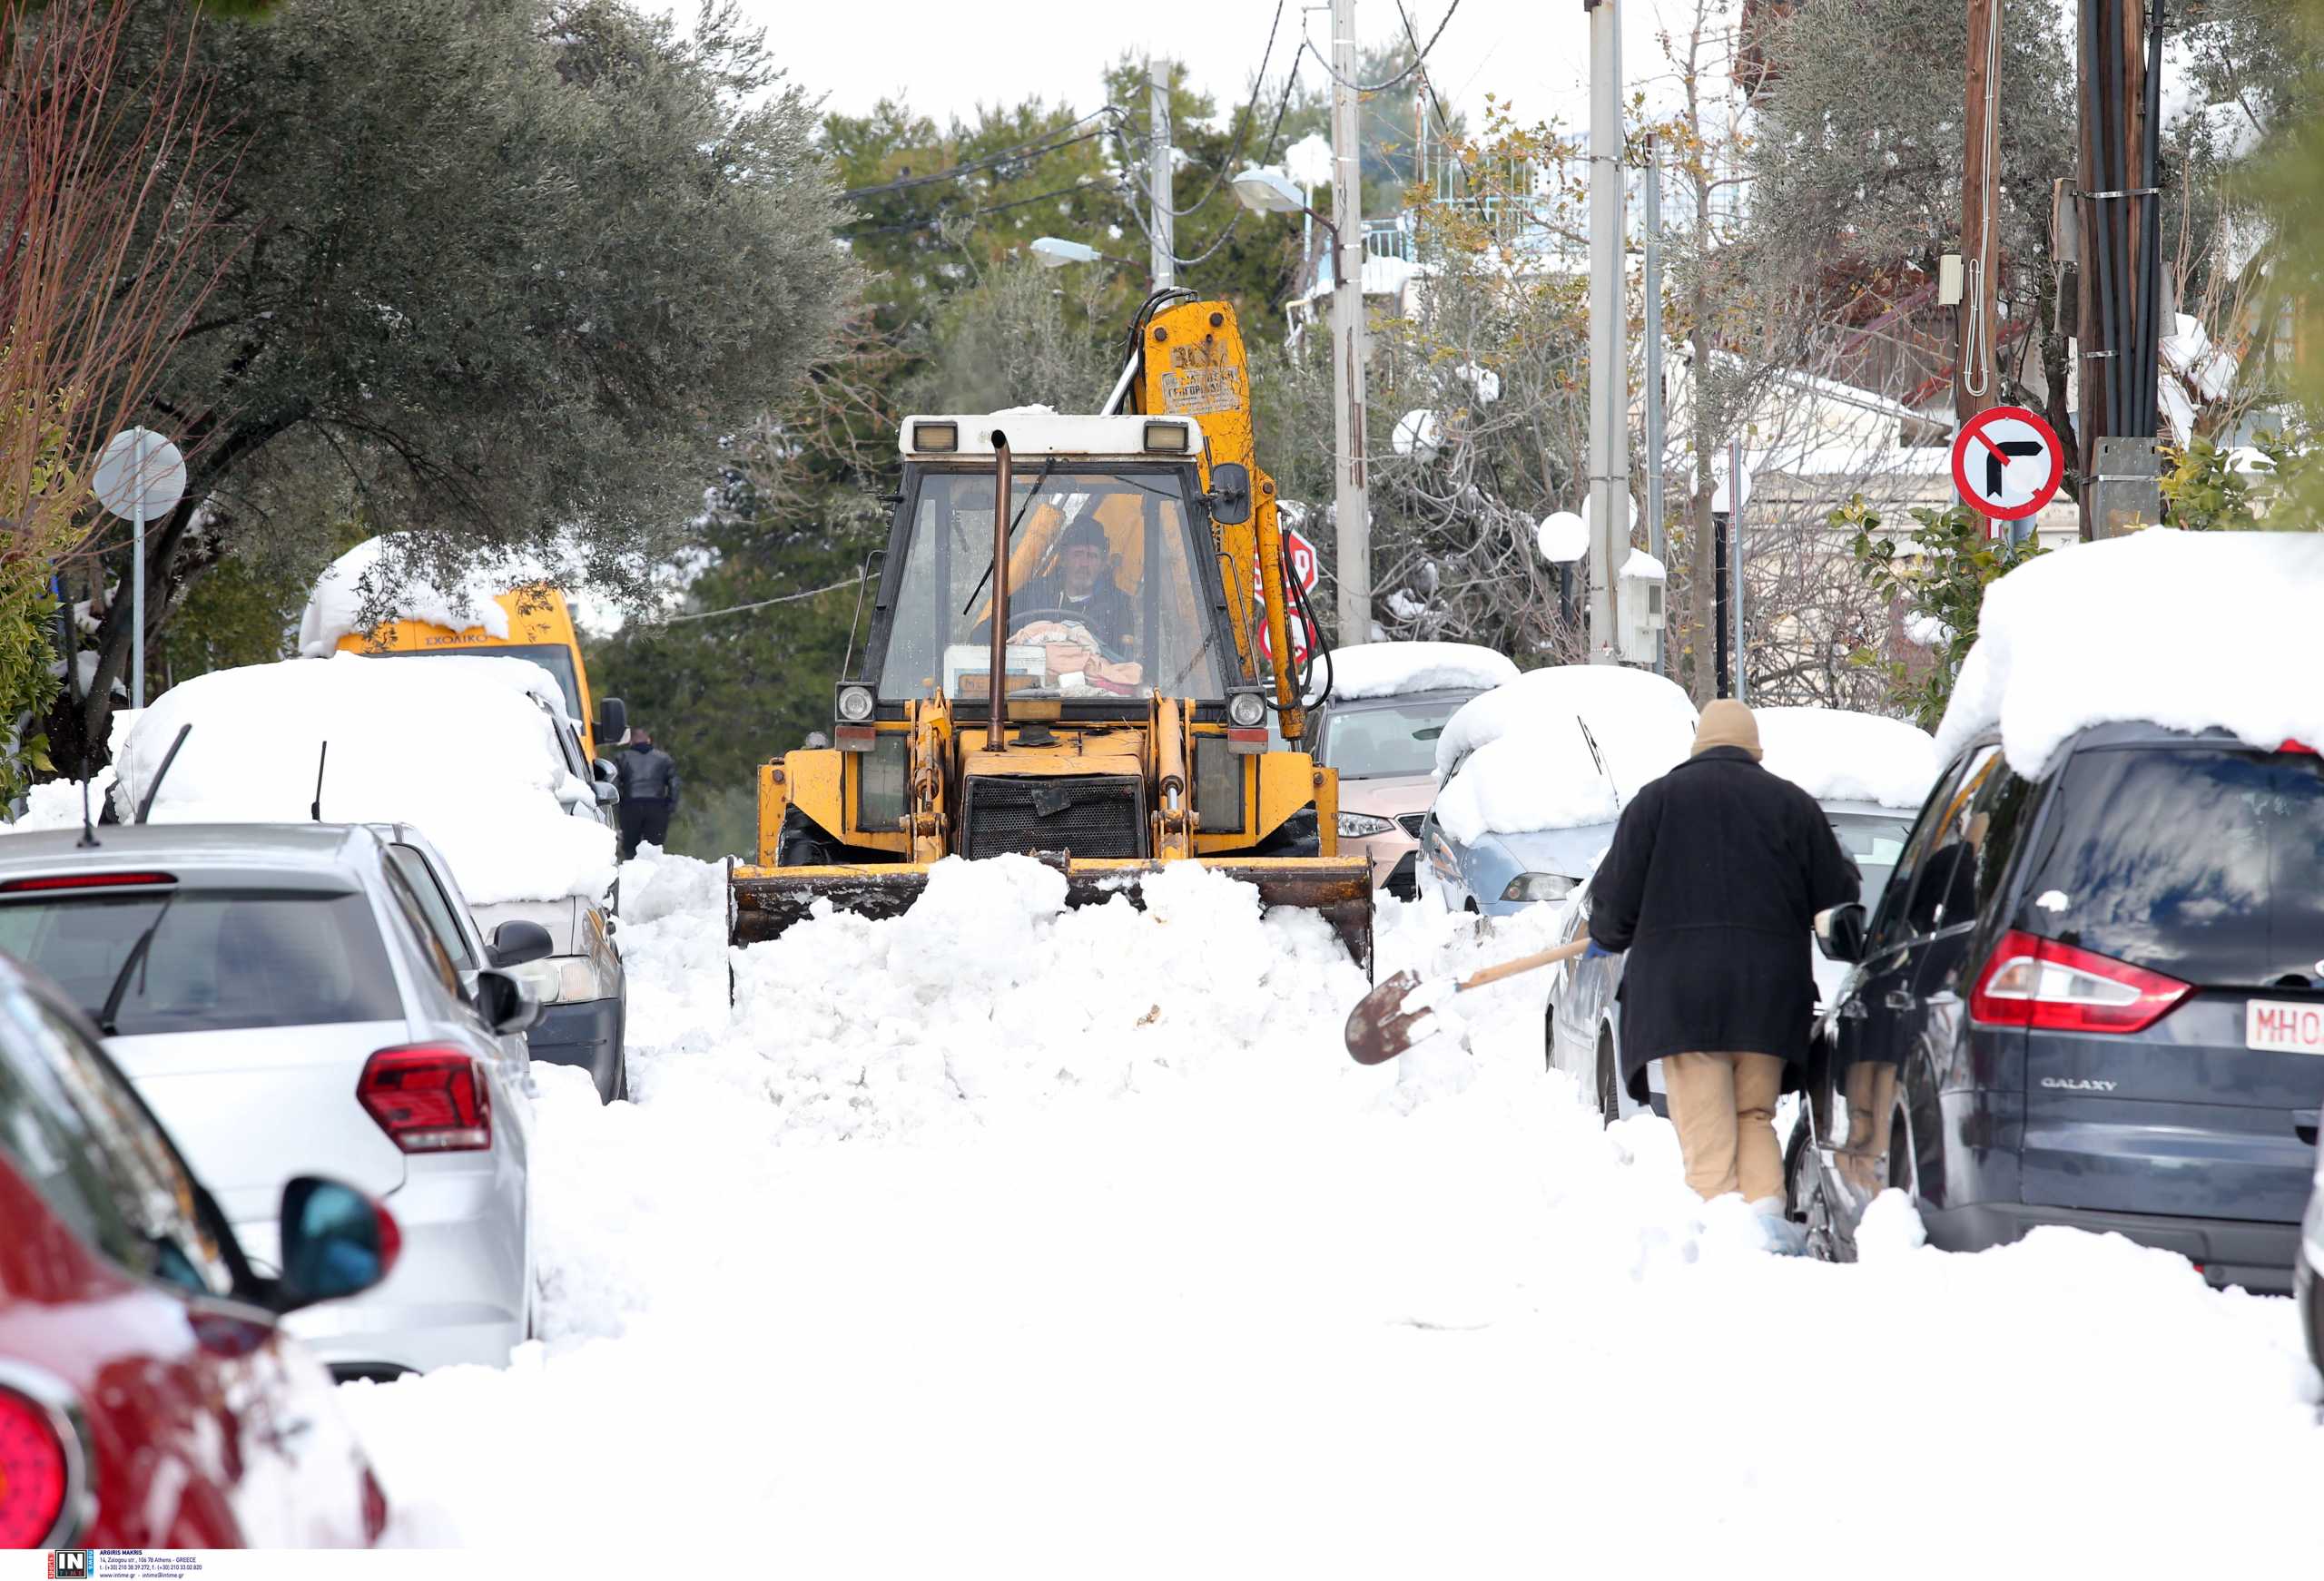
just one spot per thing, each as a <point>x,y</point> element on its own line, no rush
<point>2007,463</point>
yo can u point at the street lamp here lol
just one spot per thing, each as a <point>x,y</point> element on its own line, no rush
<point>1056,251</point>
<point>1563,538</point>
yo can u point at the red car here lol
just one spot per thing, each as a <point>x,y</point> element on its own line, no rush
<point>147,1400</point>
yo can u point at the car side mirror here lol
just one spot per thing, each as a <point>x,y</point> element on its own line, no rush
<point>336,1242</point>
<point>607,795</point>
<point>1230,493</point>
<point>506,1006</point>
<point>613,720</point>
<point>603,772</point>
<point>515,943</point>
<point>1839,933</point>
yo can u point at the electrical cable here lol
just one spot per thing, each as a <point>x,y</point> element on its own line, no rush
<point>854,580</point>
<point>931,221</point>
<point>1267,151</point>
<point>2148,372</point>
<point>1250,110</point>
<point>1306,43</point>
<point>1974,377</point>
<point>1048,143</point>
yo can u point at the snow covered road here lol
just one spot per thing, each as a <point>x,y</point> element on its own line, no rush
<point>988,1235</point>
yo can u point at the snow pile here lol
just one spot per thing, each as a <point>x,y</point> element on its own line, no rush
<point>1835,754</point>
<point>58,803</point>
<point>374,581</point>
<point>452,746</point>
<point>1519,759</point>
<point>1245,1285</point>
<point>2190,631</point>
<point>1392,669</point>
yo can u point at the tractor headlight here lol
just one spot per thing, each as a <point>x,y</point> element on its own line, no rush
<point>1359,825</point>
<point>855,703</point>
<point>1247,708</point>
<point>1538,887</point>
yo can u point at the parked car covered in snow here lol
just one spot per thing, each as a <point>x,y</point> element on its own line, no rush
<point>1868,773</point>
<point>474,751</point>
<point>289,1005</point>
<point>1378,727</point>
<point>2092,993</point>
<point>1533,775</point>
<point>148,1396</point>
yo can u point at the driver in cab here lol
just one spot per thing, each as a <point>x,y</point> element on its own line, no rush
<point>1078,596</point>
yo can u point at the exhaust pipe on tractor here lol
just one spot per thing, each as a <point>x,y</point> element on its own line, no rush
<point>996,681</point>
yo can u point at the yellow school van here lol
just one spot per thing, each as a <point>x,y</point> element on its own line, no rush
<point>540,628</point>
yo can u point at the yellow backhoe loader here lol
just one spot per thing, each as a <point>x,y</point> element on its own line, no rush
<point>1116,572</point>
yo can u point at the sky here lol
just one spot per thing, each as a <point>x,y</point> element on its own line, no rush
<point>943,58</point>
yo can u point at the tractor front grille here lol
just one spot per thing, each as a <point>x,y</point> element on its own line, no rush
<point>1087,815</point>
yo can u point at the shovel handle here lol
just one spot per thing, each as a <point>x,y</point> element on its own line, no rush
<point>1524,963</point>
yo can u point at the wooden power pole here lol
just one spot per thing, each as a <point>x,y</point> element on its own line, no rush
<point>1975,386</point>
<point>2118,260</point>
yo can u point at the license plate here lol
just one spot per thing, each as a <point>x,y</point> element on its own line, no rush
<point>2284,1026</point>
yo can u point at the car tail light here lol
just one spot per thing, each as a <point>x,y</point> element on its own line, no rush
<point>85,882</point>
<point>2053,987</point>
<point>428,1098</point>
<point>375,1508</point>
<point>39,1469</point>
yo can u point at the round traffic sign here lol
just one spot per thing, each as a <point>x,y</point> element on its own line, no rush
<point>1299,562</point>
<point>120,478</point>
<point>2007,463</point>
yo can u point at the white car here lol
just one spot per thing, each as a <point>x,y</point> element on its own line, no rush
<point>290,1000</point>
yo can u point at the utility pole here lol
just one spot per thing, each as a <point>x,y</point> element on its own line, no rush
<point>1351,514</point>
<point>1163,231</point>
<point>2120,265</point>
<point>1609,460</point>
<point>1973,388</point>
<point>1657,543</point>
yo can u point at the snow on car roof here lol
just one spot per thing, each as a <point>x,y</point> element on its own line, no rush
<point>340,604</point>
<point>2188,631</point>
<point>1518,759</point>
<point>1837,754</point>
<point>475,767</point>
<point>1388,669</point>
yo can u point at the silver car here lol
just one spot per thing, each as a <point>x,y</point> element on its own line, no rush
<point>1500,874</point>
<point>1585,1013</point>
<point>290,999</point>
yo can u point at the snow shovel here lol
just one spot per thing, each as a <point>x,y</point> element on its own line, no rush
<point>1382,1026</point>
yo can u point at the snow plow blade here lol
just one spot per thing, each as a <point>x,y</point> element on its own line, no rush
<point>762,903</point>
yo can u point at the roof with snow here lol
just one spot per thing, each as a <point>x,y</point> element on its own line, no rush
<point>1520,758</point>
<point>453,747</point>
<point>1389,669</point>
<point>1835,754</point>
<point>2189,630</point>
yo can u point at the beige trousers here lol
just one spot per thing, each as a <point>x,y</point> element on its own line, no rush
<point>1724,1106</point>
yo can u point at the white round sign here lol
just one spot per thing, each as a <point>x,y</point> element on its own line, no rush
<point>1417,435</point>
<point>120,479</point>
<point>1562,537</point>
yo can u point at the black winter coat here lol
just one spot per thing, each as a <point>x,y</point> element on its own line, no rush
<point>1716,875</point>
<point>646,774</point>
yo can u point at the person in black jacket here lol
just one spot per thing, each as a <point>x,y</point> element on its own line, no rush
<point>648,778</point>
<point>1716,875</point>
<point>1078,589</point>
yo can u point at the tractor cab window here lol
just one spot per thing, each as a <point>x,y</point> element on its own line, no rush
<point>1105,599</point>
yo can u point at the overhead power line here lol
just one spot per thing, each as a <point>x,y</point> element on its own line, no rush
<point>764,602</point>
<point>1308,45</point>
<point>931,221</point>
<point>1034,148</point>
<point>1250,109</point>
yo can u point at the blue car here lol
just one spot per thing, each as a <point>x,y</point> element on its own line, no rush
<point>1532,775</point>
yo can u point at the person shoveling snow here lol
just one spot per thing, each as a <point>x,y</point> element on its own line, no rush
<point>1717,872</point>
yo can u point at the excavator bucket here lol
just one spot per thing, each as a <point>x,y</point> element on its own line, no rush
<point>762,902</point>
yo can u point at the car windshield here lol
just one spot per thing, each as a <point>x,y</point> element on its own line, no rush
<point>1104,595</point>
<point>1874,841</point>
<point>557,661</point>
<point>1397,740</point>
<point>216,960</point>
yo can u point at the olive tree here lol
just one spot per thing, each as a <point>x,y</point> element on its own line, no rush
<point>501,274</point>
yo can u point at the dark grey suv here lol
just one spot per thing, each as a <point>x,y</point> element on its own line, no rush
<point>2095,998</point>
